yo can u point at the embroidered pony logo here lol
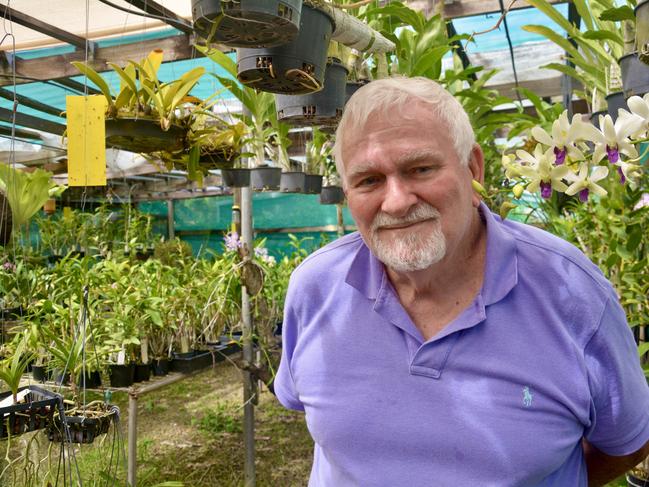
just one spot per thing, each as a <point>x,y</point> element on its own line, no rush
<point>527,397</point>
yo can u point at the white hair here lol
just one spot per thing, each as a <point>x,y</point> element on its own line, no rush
<point>392,98</point>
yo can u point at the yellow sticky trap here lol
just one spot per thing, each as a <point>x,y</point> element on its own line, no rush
<point>86,140</point>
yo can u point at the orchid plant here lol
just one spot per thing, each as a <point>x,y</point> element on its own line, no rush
<point>576,157</point>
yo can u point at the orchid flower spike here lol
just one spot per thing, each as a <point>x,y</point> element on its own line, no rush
<point>585,181</point>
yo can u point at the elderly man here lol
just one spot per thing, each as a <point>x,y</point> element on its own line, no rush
<point>440,346</point>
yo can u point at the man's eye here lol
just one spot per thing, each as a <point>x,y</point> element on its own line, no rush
<point>422,169</point>
<point>368,181</point>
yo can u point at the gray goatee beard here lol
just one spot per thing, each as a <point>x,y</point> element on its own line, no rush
<point>407,251</point>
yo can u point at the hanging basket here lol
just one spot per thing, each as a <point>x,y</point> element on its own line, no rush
<point>236,178</point>
<point>614,102</point>
<point>5,220</point>
<point>635,75</point>
<point>293,182</point>
<point>265,178</point>
<point>331,195</point>
<point>635,481</point>
<point>294,68</point>
<point>143,135</point>
<point>33,413</point>
<point>642,30</point>
<point>313,184</point>
<point>84,424</point>
<point>247,23</point>
<point>323,108</point>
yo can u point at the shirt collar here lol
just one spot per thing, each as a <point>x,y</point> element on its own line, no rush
<point>366,272</point>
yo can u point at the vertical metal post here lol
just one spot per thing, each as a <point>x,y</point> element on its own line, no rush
<point>132,439</point>
<point>341,223</point>
<point>170,219</point>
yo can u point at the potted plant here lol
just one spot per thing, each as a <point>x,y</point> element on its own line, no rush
<point>143,115</point>
<point>296,67</point>
<point>247,23</point>
<point>642,30</point>
<point>324,107</point>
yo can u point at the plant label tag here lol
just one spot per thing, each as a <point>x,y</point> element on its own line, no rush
<point>121,357</point>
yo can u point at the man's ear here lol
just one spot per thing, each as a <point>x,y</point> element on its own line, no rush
<point>476,167</point>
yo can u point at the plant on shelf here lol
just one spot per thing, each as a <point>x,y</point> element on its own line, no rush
<point>142,97</point>
<point>13,367</point>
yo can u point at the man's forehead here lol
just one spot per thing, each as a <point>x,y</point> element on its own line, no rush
<point>409,156</point>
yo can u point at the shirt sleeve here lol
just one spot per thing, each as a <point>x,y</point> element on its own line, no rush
<point>620,395</point>
<point>284,384</point>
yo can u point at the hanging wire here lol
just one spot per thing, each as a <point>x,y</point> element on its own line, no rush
<point>511,51</point>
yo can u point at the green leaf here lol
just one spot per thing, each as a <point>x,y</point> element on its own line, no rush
<point>96,78</point>
<point>618,14</point>
<point>220,58</point>
<point>125,78</point>
<point>603,35</point>
<point>428,60</point>
<point>643,348</point>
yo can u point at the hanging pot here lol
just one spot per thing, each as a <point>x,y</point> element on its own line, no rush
<point>236,178</point>
<point>313,184</point>
<point>84,424</point>
<point>33,413</point>
<point>331,195</point>
<point>247,23</point>
<point>265,178</point>
<point>5,220</point>
<point>614,102</point>
<point>143,135</point>
<point>293,182</point>
<point>352,87</point>
<point>297,67</point>
<point>635,75</point>
<point>642,30</point>
<point>323,108</point>
<point>633,481</point>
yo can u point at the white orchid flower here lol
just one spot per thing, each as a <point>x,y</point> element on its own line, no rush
<point>629,171</point>
<point>541,171</point>
<point>565,135</point>
<point>640,108</point>
<point>585,181</point>
<point>614,138</point>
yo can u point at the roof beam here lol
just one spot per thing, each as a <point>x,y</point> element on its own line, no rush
<point>166,15</point>
<point>29,102</point>
<point>31,122</point>
<point>76,86</point>
<point>47,29</point>
<point>466,8</point>
<point>19,133</point>
<point>176,47</point>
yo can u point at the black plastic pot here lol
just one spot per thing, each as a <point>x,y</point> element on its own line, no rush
<point>635,75</point>
<point>633,481</point>
<point>59,378</point>
<point>293,182</point>
<point>93,380</point>
<point>6,219</point>
<point>142,372</point>
<point>323,108</point>
<point>39,373</point>
<point>81,429</point>
<point>313,184</point>
<point>34,413</point>
<point>297,67</point>
<point>265,178</point>
<point>594,117</point>
<point>247,23</point>
<point>352,87</point>
<point>121,375</point>
<point>160,367</point>
<point>143,135</point>
<point>331,195</point>
<point>614,102</point>
<point>187,363</point>
<point>236,178</point>
<point>642,30</point>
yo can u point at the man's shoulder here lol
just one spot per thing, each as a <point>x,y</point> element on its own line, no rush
<point>332,258</point>
<point>541,248</point>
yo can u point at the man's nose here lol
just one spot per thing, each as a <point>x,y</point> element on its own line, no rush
<point>399,197</point>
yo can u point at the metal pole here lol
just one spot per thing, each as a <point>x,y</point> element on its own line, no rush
<point>341,223</point>
<point>248,389</point>
<point>132,438</point>
<point>170,219</point>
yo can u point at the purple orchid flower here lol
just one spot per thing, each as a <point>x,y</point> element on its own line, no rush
<point>560,155</point>
<point>622,176</point>
<point>232,241</point>
<point>583,195</point>
<point>546,190</point>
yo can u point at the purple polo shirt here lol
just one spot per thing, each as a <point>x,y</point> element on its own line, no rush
<point>500,397</point>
